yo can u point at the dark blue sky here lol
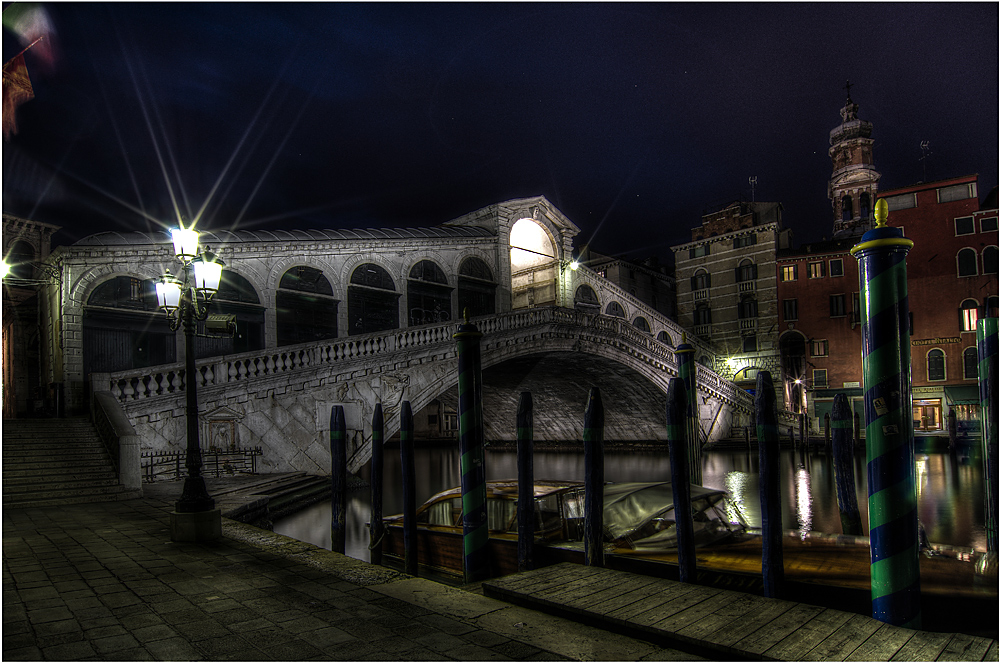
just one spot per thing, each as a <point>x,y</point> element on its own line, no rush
<point>631,118</point>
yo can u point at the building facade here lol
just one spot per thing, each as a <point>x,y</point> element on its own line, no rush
<point>726,287</point>
<point>951,282</point>
<point>647,280</point>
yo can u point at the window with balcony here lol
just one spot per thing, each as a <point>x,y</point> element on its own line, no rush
<point>838,306</point>
<point>935,365</point>
<point>967,260</point>
<point>817,270</point>
<point>702,315</point>
<point>791,307</point>
<point>836,267</point>
<point>747,271</point>
<point>790,273</point>
<point>701,280</point>
<point>970,315</point>
<point>970,363</point>
<point>747,309</point>
<point>964,225</point>
<point>820,348</point>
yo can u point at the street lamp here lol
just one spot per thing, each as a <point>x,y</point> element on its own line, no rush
<point>185,302</point>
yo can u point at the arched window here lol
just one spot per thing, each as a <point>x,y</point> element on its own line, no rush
<point>19,258</point>
<point>970,363</point>
<point>372,301</point>
<point>865,205</point>
<point>969,312</point>
<point>748,374</point>
<point>847,206</point>
<point>476,288</point>
<point>123,328</point>
<point>238,297</point>
<point>701,280</point>
<point>935,365</point>
<point>747,271</point>
<point>967,262</point>
<point>702,315</point>
<point>990,260</point>
<point>428,296</point>
<point>664,337</point>
<point>641,324</point>
<point>586,299</point>
<point>614,309</point>
<point>305,308</point>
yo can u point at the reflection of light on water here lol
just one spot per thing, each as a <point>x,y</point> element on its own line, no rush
<point>921,465</point>
<point>803,501</point>
<point>736,486</point>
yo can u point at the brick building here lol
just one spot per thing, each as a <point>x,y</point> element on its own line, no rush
<point>952,281</point>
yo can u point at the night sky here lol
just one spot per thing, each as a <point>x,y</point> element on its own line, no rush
<point>633,119</point>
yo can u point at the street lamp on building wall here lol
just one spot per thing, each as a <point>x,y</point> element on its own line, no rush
<point>185,301</point>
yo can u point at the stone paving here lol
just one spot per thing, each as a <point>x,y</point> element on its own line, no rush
<point>104,582</point>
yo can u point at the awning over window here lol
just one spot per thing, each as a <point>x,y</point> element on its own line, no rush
<point>962,395</point>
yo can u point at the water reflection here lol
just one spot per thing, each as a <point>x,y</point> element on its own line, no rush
<point>949,496</point>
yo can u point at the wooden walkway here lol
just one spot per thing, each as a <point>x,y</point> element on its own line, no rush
<point>723,624</point>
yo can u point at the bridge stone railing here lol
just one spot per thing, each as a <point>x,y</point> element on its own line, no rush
<point>169,380</point>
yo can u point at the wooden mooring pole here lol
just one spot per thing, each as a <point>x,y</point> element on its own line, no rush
<point>338,479</point>
<point>409,489</point>
<point>472,455</point>
<point>376,529</point>
<point>525,484</point>
<point>677,432</point>
<point>843,466</point>
<point>593,463</point>
<point>772,559</point>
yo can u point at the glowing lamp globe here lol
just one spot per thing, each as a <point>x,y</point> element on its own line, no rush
<point>168,292</point>
<point>207,274</point>
<point>185,243</point>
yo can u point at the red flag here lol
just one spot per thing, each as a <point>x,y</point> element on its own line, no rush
<point>16,91</point>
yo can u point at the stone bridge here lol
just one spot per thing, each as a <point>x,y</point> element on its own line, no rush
<point>280,398</point>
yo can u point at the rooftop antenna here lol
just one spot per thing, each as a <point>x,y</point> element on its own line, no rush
<point>925,149</point>
<point>753,188</point>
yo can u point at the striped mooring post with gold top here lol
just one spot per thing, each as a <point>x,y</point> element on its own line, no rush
<point>892,495</point>
<point>986,341</point>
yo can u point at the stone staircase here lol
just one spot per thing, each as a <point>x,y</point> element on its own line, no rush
<point>47,462</point>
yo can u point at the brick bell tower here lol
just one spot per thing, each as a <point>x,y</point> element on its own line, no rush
<point>854,181</point>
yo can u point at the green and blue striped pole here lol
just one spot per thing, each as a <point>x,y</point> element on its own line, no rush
<point>892,495</point>
<point>772,555</point>
<point>677,430</point>
<point>687,371</point>
<point>475,526</point>
<point>986,342</point>
<point>842,424</point>
<point>593,480</point>
<point>338,479</point>
<point>376,528</point>
<point>408,471</point>
<point>525,483</point>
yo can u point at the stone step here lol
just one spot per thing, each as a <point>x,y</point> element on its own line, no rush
<point>28,464</point>
<point>33,501</point>
<point>12,487</point>
<point>59,492</point>
<point>43,476</point>
<point>49,447</point>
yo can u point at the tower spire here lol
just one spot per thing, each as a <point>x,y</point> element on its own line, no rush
<point>854,181</point>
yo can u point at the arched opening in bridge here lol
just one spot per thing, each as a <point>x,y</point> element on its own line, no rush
<point>124,329</point>
<point>428,295</point>
<point>372,300</point>
<point>642,325</point>
<point>586,300</point>
<point>534,265</point>
<point>614,309</point>
<point>236,296</point>
<point>476,288</point>
<point>664,337</point>
<point>304,306</point>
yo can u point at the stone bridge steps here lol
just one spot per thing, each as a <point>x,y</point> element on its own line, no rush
<point>50,462</point>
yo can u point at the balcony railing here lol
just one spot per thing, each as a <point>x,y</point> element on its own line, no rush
<point>747,324</point>
<point>701,295</point>
<point>705,331</point>
<point>748,286</point>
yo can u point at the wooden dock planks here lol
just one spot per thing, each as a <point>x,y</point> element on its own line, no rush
<point>725,622</point>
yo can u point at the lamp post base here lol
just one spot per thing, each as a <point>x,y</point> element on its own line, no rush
<point>200,527</point>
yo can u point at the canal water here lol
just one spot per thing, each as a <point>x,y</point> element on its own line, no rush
<point>949,489</point>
